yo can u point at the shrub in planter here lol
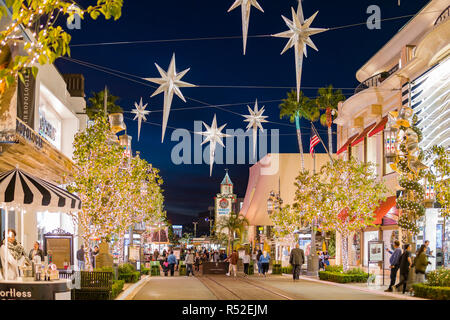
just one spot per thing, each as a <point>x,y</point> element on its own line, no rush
<point>145,271</point>
<point>334,268</point>
<point>131,277</point>
<point>342,277</point>
<point>430,292</point>
<point>439,278</point>
<point>286,270</point>
<point>117,288</point>
<point>126,268</point>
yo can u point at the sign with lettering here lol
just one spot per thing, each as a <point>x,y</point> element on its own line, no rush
<point>29,134</point>
<point>26,95</point>
<point>376,251</point>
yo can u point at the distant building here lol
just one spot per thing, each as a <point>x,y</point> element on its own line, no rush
<point>225,200</point>
<point>178,230</point>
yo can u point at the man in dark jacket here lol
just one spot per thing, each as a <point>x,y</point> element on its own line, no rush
<point>80,258</point>
<point>405,265</point>
<point>297,259</point>
<point>394,263</point>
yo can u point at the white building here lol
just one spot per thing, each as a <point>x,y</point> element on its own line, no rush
<point>412,68</point>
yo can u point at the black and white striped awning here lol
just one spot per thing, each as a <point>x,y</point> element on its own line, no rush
<point>22,190</point>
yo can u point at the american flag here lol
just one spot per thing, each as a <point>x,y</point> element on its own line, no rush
<point>314,141</point>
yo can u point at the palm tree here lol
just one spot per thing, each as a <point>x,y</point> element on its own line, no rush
<point>328,100</point>
<point>233,224</point>
<point>96,104</point>
<point>295,111</point>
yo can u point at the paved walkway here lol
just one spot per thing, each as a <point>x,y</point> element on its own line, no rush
<point>252,288</point>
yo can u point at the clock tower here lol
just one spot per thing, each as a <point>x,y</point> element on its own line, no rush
<point>224,201</point>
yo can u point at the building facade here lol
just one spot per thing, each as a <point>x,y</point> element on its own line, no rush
<point>412,69</point>
<point>38,122</point>
<point>224,202</point>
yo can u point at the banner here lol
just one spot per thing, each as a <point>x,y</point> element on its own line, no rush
<point>26,97</point>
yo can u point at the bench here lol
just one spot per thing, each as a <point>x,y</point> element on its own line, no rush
<point>93,286</point>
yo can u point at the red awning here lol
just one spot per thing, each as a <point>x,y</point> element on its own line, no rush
<point>384,208</point>
<point>363,135</point>
<point>344,147</point>
<point>379,127</point>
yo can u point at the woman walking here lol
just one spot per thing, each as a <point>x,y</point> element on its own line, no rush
<point>405,264</point>
<point>246,262</point>
<point>258,261</point>
<point>421,263</point>
<point>265,260</point>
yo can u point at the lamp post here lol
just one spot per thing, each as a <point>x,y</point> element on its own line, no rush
<point>195,229</point>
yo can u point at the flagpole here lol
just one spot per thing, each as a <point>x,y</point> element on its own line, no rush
<point>320,138</point>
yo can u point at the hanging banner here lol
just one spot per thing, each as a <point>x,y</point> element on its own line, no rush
<point>26,96</point>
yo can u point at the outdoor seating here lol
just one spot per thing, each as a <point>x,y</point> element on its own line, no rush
<point>93,286</point>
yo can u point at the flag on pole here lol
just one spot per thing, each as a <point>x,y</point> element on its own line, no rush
<point>314,141</point>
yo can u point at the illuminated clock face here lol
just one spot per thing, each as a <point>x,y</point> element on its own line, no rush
<point>223,203</point>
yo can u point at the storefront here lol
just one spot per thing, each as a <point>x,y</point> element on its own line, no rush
<point>24,277</point>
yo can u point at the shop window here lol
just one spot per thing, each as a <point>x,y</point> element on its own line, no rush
<point>386,167</point>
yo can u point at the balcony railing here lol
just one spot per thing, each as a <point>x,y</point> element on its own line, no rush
<point>443,16</point>
<point>375,80</point>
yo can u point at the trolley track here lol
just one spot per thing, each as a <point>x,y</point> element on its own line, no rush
<point>222,291</point>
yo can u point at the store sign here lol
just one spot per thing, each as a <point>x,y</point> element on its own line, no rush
<point>376,251</point>
<point>46,129</point>
<point>28,134</point>
<point>26,95</point>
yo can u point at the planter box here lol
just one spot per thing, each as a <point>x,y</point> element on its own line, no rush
<point>428,292</point>
<point>342,277</point>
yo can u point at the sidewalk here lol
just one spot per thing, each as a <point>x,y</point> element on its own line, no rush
<point>376,288</point>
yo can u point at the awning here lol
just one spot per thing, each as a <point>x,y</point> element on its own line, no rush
<point>379,127</point>
<point>20,189</point>
<point>384,208</point>
<point>363,135</point>
<point>345,146</point>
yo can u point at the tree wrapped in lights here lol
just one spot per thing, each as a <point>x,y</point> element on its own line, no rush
<point>409,165</point>
<point>343,198</point>
<point>110,188</point>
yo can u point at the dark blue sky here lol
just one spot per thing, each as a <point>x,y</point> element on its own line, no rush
<point>188,188</point>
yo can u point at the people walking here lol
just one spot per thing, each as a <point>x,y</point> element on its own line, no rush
<point>233,260</point>
<point>265,260</point>
<point>172,260</point>
<point>246,262</point>
<point>420,264</point>
<point>258,262</point>
<point>297,259</point>
<point>321,261</point>
<point>189,261</point>
<point>326,259</point>
<point>405,265</point>
<point>394,262</point>
<point>197,262</point>
<point>80,258</point>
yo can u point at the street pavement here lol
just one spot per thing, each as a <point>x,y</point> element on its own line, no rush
<point>274,287</point>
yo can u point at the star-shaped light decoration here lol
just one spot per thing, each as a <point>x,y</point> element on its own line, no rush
<point>141,114</point>
<point>255,120</point>
<point>299,37</point>
<point>170,83</point>
<point>246,6</point>
<point>213,135</point>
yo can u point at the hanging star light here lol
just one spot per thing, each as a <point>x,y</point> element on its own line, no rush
<point>255,120</point>
<point>140,113</point>
<point>246,6</point>
<point>213,135</point>
<point>170,83</point>
<point>299,37</point>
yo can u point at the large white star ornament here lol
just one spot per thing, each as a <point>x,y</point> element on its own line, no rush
<point>141,114</point>
<point>213,135</point>
<point>299,37</point>
<point>170,83</point>
<point>246,6</point>
<point>255,120</point>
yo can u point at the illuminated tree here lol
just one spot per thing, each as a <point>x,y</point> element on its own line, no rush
<point>49,40</point>
<point>110,187</point>
<point>342,197</point>
<point>232,225</point>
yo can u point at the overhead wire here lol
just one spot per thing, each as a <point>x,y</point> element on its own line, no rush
<point>236,37</point>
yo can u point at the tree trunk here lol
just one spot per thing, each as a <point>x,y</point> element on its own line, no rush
<point>299,139</point>
<point>87,256</point>
<point>330,141</point>
<point>345,252</point>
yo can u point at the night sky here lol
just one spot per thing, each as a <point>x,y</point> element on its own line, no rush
<point>189,189</point>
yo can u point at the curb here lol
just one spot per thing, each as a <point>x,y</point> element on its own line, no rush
<point>393,295</point>
<point>132,290</point>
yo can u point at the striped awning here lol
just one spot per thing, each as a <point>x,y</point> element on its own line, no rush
<point>22,190</point>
